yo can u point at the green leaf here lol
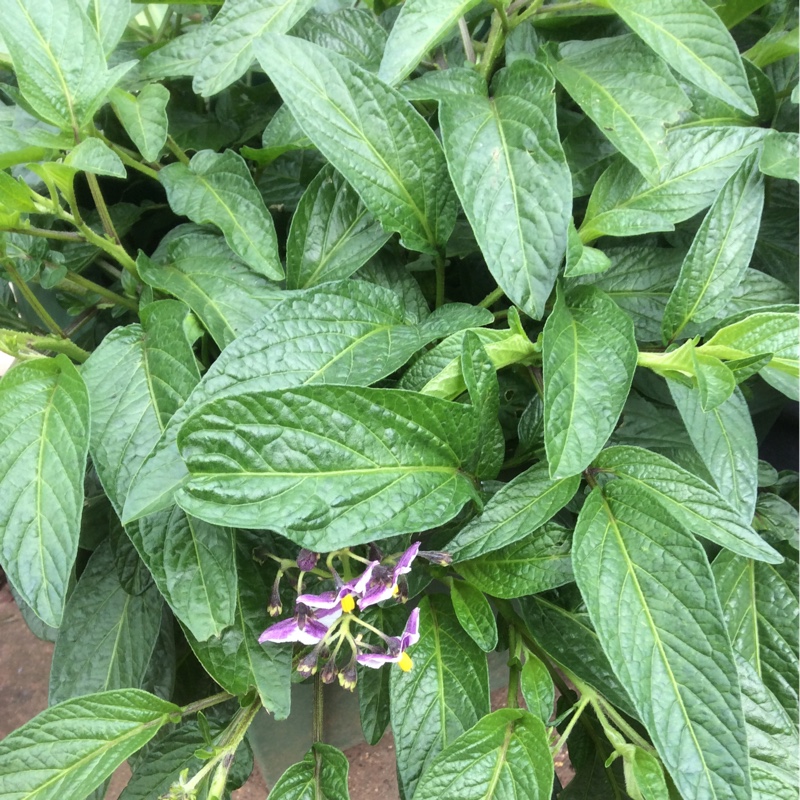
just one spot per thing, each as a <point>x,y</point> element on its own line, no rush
<point>332,234</point>
<point>761,613</point>
<point>510,172</point>
<point>537,688</point>
<point>778,518</point>
<point>771,737</point>
<point>348,332</point>
<point>194,566</point>
<point>93,155</point>
<point>354,33</point>
<point>480,379</point>
<point>715,380</point>
<point>58,60</point>
<point>107,635</point>
<point>651,596</point>
<point>720,253</point>
<point>336,103</point>
<point>235,659</point>
<point>588,356</point>
<point>177,58</point>
<point>639,280</point>
<point>153,370</point>
<point>779,156</point>
<point>569,639</point>
<point>732,12</point>
<point>700,160</point>
<point>422,24</point>
<point>452,83</point>
<point>445,693</point>
<point>518,509</point>
<point>110,19</point>
<point>325,486</point>
<point>506,755</point>
<point>693,40</point>
<point>228,50</point>
<point>583,260</point>
<point>196,265</point>
<point>646,774</point>
<point>628,92</point>
<point>698,507</point>
<point>775,333</point>
<point>144,117</point>
<point>44,438</point>
<point>373,684</point>
<point>321,775</point>
<point>474,614</point>
<point>776,45</point>
<point>536,563</point>
<point>69,749</point>
<point>726,442</point>
<point>218,188</point>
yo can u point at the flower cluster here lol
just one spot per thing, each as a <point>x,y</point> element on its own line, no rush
<point>325,620</point>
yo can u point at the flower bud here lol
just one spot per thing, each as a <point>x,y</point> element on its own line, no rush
<point>306,560</point>
<point>307,665</point>
<point>275,606</point>
<point>348,677</point>
<point>436,557</point>
<point>329,671</point>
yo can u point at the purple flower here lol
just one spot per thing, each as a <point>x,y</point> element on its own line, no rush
<point>382,582</point>
<point>344,598</point>
<point>308,625</point>
<point>396,647</point>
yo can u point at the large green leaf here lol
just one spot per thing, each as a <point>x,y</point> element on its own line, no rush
<point>768,332</point>
<point>329,466</point>
<point>370,134</point>
<point>569,638</point>
<point>321,775</point>
<point>69,749</point>
<point>228,50</point>
<point>107,635</point>
<point>779,156</point>
<point>536,563</point>
<point>588,356</point>
<point>144,117</point>
<point>628,92</point>
<point>726,442</point>
<point>218,188</point>
<point>700,160</point>
<point>761,612</point>
<point>236,660</point>
<point>58,59</point>
<point>44,438</point>
<point>720,253</point>
<point>445,693</point>
<point>517,510</point>
<point>94,156</point>
<point>110,18</point>
<point>349,332</point>
<point>696,505</point>
<point>651,596</point>
<point>474,614</point>
<point>137,378</point>
<point>194,566</point>
<point>196,265</point>
<point>422,24</point>
<point>693,40</point>
<point>771,737</point>
<point>332,233</point>
<point>510,172</point>
<point>504,757</point>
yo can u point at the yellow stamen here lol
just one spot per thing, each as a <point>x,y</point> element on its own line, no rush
<point>348,604</point>
<point>405,663</point>
<point>395,590</point>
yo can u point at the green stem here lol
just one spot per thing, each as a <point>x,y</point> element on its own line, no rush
<point>116,251</point>
<point>177,151</point>
<point>16,343</point>
<point>206,702</point>
<point>91,286</point>
<point>43,233</point>
<point>33,300</point>
<point>440,278</point>
<point>605,711</point>
<point>514,668</point>
<point>102,208</point>
<point>316,730</point>
<point>584,701</point>
<point>494,46</point>
<point>538,9</point>
<point>132,162</point>
<point>492,298</point>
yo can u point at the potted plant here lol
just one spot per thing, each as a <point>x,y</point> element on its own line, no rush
<point>355,342</point>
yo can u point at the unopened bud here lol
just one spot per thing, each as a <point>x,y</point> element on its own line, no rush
<point>375,553</point>
<point>307,665</point>
<point>306,560</point>
<point>402,589</point>
<point>348,677</point>
<point>275,606</point>
<point>329,671</point>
